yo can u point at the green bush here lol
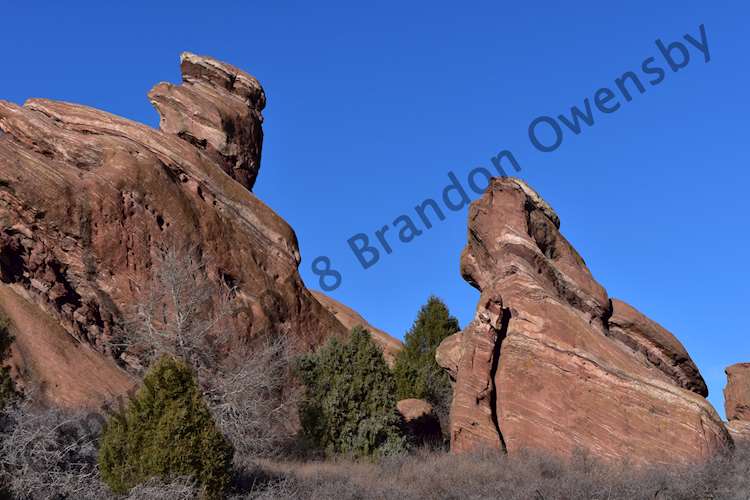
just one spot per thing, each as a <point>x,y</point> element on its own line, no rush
<point>167,432</point>
<point>7,386</point>
<point>416,372</point>
<point>349,405</point>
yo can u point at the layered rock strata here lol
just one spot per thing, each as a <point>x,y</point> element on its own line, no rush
<point>88,200</point>
<point>550,363</point>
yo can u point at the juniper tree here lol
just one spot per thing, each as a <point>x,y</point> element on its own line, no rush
<point>416,372</point>
<point>165,432</point>
<point>349,405</point>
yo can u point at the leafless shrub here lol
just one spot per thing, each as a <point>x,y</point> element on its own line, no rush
<point>50,454</point>
<point>186,314</point>
<point>181,312</point>
<point>252,400</point>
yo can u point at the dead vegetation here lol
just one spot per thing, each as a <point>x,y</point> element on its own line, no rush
<point>438,475</point>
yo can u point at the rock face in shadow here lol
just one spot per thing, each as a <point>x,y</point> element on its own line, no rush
<point>351,318</point>
<point>87,199</point>
<point>737,401</point>
<point>421,424</point>
<point>550,363</point>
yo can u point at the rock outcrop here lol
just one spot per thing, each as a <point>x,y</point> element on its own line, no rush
<point>351,318</point>
<point>218,110</point>
<point>737,392</point>
<point>551,363</point>
<point>87,199</point>
<point>737,401</point>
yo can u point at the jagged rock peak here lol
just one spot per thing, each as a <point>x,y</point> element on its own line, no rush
<point>217,108</point>
<point>208,70</point>
<point>537,201</point>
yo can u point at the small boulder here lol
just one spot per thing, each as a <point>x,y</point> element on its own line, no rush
<point>421,423</point>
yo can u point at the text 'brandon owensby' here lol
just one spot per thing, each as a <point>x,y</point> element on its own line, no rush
<point>546,134</point>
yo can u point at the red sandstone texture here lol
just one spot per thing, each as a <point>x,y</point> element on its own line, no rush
<point>551,363</point>
<point>87,199</point>
<point>737,401</point>
<point>737,392</point>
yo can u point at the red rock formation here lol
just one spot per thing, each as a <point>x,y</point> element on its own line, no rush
<point>737,401</point>
<point>739,430</point>
<point>351,318</point>
<point>737,392</point>
<point>88,198</point>
<point>217,109</point>
<point>551,364</point>
<point>412,409</point>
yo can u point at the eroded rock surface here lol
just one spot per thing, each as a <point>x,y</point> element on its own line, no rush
<point>550,363</point>
<point>739,430</point>
<point>737,392</point>
<point>658,345</point>
<point>217,108</point>
<point>87,199</point>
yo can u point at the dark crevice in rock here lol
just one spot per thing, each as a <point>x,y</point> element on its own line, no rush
<point>607,316</point>
<point>501,334</point>
<point>198,143</point>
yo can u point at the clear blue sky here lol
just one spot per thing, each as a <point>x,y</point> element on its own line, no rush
<point>371,104</point>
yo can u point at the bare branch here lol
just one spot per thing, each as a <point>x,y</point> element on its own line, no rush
<point>182,312</point>
<point>252,400</point>
<point>50,454</point>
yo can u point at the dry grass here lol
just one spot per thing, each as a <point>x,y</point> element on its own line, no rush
<point>436,475</point>
<point>50,455</point>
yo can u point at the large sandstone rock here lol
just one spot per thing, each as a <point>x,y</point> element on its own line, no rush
<point>737,401</point>
<point>88,198</point>
<point>550,363</point>
<point>737,392</point>
<point>351,318</point>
